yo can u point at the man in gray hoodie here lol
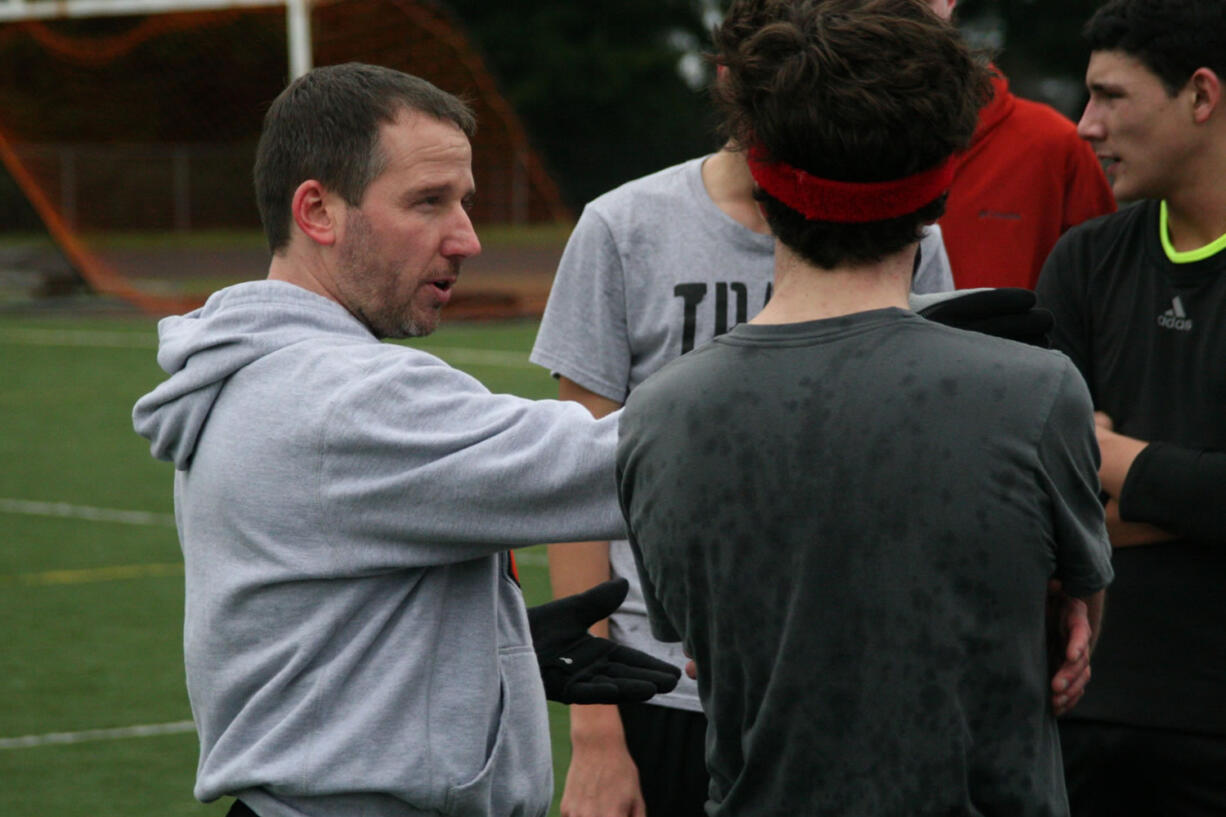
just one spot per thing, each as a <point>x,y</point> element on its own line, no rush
<point>355,639</point>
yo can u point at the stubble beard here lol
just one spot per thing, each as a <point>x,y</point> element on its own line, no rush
<point>368,278</point>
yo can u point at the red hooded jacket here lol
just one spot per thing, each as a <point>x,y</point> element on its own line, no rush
<point>1026,178</point>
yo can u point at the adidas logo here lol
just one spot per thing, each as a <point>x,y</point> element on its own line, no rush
<point>1175,318</point>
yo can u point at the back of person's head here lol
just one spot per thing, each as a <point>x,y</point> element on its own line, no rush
<point>325,126</point>
<point>858,91</point>
<point>1172,38</point>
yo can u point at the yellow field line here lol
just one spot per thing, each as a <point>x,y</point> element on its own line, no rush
<point>96,574</point>
<point>154,570</point>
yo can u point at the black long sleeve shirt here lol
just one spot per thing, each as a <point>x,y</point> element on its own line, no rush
<point>1148,336</point>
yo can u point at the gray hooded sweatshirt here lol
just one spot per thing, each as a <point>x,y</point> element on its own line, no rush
<point>354,642</point>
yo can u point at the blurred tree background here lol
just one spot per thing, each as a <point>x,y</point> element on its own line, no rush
<point>1036,43</point>
<point>610,91</point>
<point>599,85</point>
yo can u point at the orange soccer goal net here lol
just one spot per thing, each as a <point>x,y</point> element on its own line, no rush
<point>123,134</point>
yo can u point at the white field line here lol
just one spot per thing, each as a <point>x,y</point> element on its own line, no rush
<point>456,355</point>
<point>120,733</point>
<point>66,511</point>
<point>154,729</point>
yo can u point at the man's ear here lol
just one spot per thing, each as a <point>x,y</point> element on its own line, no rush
<point>1206,88</point>
<point>315,212</point>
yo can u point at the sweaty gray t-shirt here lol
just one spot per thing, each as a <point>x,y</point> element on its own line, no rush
<point>652,270</point>
<point>850,523</point>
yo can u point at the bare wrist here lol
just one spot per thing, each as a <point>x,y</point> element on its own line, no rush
<point>595,723</point>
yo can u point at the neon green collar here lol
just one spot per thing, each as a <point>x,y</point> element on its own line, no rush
<point>1177,257</point>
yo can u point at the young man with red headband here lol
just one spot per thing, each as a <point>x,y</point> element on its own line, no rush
<point>1025,179</point>
<point>654,269</point>
<point>846,514</point>
<point>1139,298</point>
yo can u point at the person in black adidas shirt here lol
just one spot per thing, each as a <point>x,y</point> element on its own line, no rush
<point>1137,297</point>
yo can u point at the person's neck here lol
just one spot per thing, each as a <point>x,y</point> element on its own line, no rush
<point>1196,205</point>
<point>1197,217</point>
<point>293,267</point>
<point>804,292</point>
<point>726,177</point>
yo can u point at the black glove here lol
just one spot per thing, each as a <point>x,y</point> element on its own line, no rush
<point>1005,312</point>
<point>580,668</point>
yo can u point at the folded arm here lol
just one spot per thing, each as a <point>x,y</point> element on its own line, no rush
<point>1159,491</point>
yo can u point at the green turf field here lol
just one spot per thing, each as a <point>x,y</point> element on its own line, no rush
<point>94,717</point>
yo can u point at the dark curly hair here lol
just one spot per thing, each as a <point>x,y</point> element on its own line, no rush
<point>849,90</point>
<point>1172,38</point>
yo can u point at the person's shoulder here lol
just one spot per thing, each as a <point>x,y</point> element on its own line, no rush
<point>961,350</point>
<point>1016,379</point>
<point>680,379</point>
<point>666,185</point>
<point>1044,123</point>
<point>1127,222</point>
<point>363,384</point>
<point>1048,135</point>
<point>1104,248</point>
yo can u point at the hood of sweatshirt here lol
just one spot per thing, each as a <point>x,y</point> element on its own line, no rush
<point>202,349</point>
<point>997,110</point>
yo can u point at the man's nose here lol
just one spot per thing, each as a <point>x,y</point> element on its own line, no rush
<point>1090,127</point>
<point>462,241</point>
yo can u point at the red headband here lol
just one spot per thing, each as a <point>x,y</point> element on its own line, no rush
<point>848,202</point>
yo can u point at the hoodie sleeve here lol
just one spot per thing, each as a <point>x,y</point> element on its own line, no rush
<point>418,452</point>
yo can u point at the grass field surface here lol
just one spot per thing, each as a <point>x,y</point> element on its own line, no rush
<point>95,718</point>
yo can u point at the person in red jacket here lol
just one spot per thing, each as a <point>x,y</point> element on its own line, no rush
<point>1025,179</point>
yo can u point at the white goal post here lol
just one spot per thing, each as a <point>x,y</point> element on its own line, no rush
<point>298,16</point>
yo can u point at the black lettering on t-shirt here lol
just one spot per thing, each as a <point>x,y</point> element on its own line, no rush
<point>721,308</point>
<point>691,295</point>
<point>721,305</point>
<point>742,301</point>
